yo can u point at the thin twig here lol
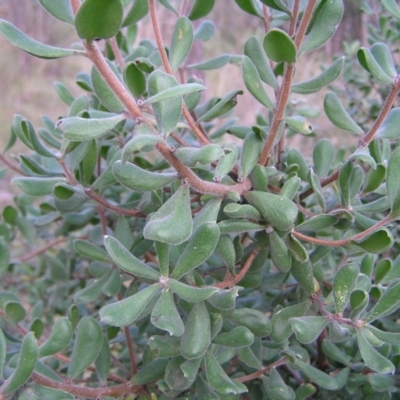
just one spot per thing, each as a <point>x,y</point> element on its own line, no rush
<point>48,246</point>
<point>164,58</point>
<point>195,182</point>
<point>301,31</point>
<point>117,52</point>
<point>11,165</point>
<point>267,18</point>
<point>342,242</point>
<point>237,278</point>
<point>97,198</point>
<point>293,18</point>
<point>93,52</point>
<point>262,371</point>
<point>387,106</point>
<point>278,115</point>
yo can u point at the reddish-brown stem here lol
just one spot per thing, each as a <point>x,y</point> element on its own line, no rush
<point>369,136</point>
<point>93,52</point>
<point>129,344</point>
<point>195,182</point>
<point>278,115</point>
<point>89,393</point>
<point>159,41</point>
<point>262,371</point>
<point>75,4</point>
<point>384,111</point>
<point>324,182</point>
<point>237,278</point>
<point>67,172</point>
<point>11,165</point>
<point>98,199</point>
<point>117,52</point>
<point>342,242</point>
<point>293,18</point>
<point>267,18</point>
<point>164,58</point>
<point>103,220</point>
<point>301,31</point>
<point>49,245</point>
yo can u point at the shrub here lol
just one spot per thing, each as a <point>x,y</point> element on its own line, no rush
<point>159,252</point>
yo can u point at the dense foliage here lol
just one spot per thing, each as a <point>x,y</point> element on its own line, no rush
<point>160,250</point>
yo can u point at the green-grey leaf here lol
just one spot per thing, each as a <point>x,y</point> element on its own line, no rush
<point>59,338</point>
<point>124,312</point>
<point>369,63</point>
<point>238,337</point>
<point>317,83</point>
<point>256,321</point>
<point>343,284</point>
<point>277,210</point>
<point>338,115</point>
<point>325,26</point>
<point>323,155</point>
<point>191,293</point>
<point>392,7</point>
<point>219,380</point>
<point>299,124</point>
<point>279,47</point>
<point>99,19</point>
<point>197,335</point>
<point>214,63</point>
<point>383,57</point>
<point>254,51</point>
<point>26,364</point>
<point>127,261</point>
<point>37,186</point>
<point>165,316</point>
<point>138,11</point>
<point>60,9</point>
<point>88,342</point>
<point>372,358</point>
<point>167,112</point>
<point>307,329</point>
<point>253,83</point>
<point>81,129</point>
<point>103,91</point>
<point>200,9</point>
<point>31,46</point>
<point>136,178</point>
<point>377,242</point>
<point>181,42</point>
<point>172,223</point>
<point>390,127</point>
<point>199,248</point>
<point>320,378</point>
<point>387,304</point>
<point>175,91</point>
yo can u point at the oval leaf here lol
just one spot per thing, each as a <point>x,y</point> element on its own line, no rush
<point>59,338</point>
<point>88,342</point>
<point>99,19</point>
<point>126,311</point>
<point>26,364</point>
<point>136,178</point>
<point>307,329</point>
<point>344,283</point>
<point>200,247</point>
<point>279,47</point>
<point>165,316</point>
<point>279,211</point>
<point>338,115</point>
<point>31,46</point>
<point>127,261</point>
<point>197,335</point>
<point>172,223</point>
<point>181,43</point>
<point>80,129</point>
